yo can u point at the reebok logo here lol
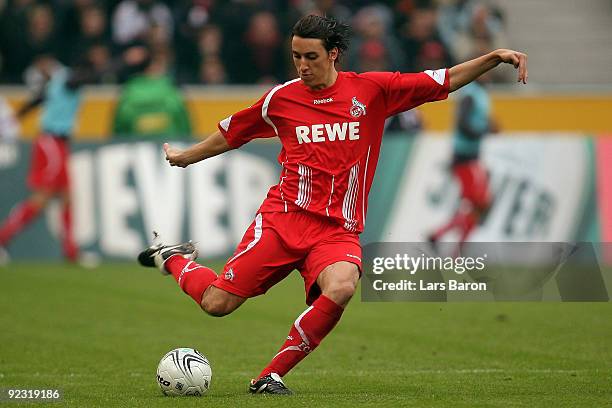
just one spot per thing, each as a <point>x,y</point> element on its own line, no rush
<point>320,101</point>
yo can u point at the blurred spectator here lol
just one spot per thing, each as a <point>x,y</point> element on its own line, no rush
<point>93,41</point>
<point>204,39</point>
<point>41,29</point>
<point>70,27</point>
<point>329,8</point>
<point>99,55</point>
<point>13,19</point>
<point>212,72</point>
<point>191,18</point>
<point>133,18</point>
<point>472,19</point>
<point>235,20</point>
<point>28,29</point>
<point>263,55</point>
<point>422,44</point>
<point>150,105</point>
<point>373,48</point>
<point>210,49</point>
<point>484,27</point>
<point>210,41</point>
<point>206,60</point>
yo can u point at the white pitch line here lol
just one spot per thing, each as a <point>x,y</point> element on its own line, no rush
<point>360,373</point>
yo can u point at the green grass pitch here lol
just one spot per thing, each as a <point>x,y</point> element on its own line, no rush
<point>98,335</point>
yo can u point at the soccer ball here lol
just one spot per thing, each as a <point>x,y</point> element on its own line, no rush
<point>184,371</point>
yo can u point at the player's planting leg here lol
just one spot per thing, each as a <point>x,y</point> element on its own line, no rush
<point>338,283</point>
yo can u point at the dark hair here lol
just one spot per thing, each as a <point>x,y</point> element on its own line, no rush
<point>333,33</point>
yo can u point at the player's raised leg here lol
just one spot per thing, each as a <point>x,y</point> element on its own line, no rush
<point>194,279</point>
<point>338,283</point>
<point>177,260</point>
<point>257,264</point>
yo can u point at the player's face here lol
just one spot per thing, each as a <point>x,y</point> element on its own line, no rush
<point>314,64</point>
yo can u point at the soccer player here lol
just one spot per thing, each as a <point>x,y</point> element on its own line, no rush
<point>473,123</point>
<point>330,126</point>
<point>48,178</point>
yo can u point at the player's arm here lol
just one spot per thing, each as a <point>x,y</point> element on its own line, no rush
<point>213,145</point>
<point>463,74</point>
<point>27,107</point>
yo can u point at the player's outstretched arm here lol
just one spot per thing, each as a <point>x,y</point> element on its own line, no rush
<point>211,146</point>
<point>463,74</point>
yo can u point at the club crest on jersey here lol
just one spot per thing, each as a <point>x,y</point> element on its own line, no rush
<point>229,275</point>
<point>358,109</point>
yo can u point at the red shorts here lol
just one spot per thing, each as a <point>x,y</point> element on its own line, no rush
<point>49,164</point>
<point>277,243</point>
<point>474,183</point>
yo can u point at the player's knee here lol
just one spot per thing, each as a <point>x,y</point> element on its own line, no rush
<point>216,307</point>
<point>340,292</point>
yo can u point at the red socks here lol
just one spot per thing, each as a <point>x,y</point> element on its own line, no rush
<point>307,332</point>
<point>19,217</point>
<point>193,278</point>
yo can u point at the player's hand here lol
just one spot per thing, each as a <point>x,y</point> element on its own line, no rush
<point>175,157</point>
<point>518,59</point>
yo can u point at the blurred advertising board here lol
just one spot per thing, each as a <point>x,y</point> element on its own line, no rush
<point>544,190</point>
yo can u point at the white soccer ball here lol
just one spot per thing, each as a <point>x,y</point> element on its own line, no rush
<point>184,371</point>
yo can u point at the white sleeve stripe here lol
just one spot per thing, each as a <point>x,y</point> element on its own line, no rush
<point>225,123</point>
<point>266,104</point>
<point>438,75</point>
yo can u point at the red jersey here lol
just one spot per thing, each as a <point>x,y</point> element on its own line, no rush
<point>331,138</point>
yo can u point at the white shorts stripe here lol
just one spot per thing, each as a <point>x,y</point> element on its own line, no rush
<point>256,238</point>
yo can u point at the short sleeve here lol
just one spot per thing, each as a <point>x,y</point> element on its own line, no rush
<point>406,91</point>
<point>248,124</point>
